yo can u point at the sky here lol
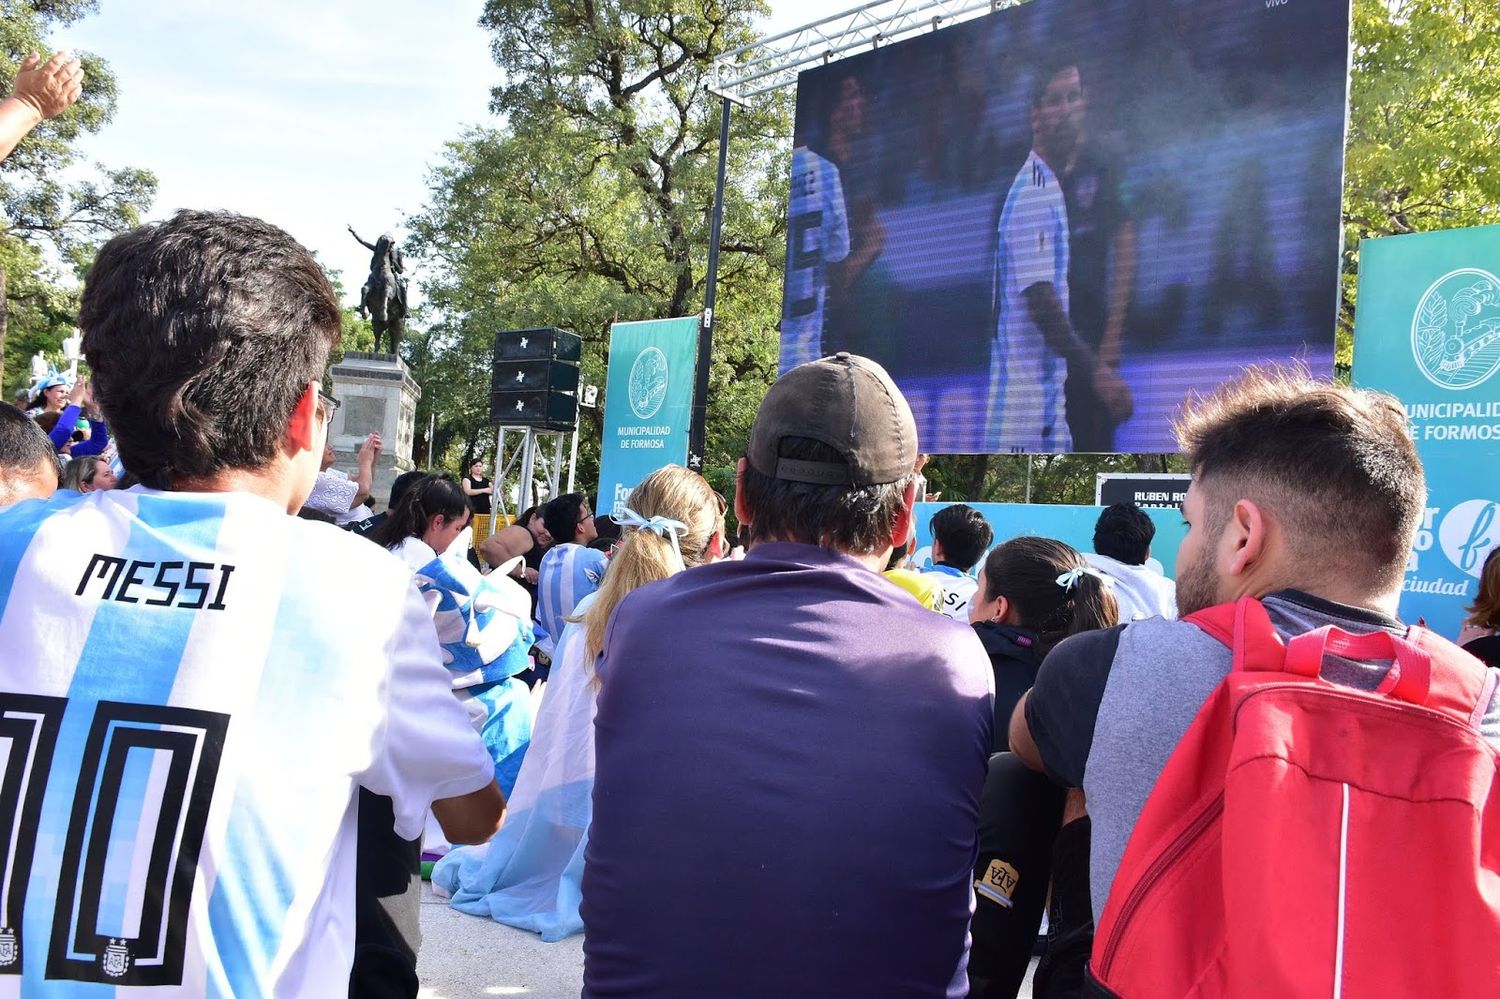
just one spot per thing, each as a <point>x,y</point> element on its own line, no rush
<point>313,114</point>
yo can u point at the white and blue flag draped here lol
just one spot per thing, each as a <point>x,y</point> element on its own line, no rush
<point>529,875</point>
<point>484,628</point>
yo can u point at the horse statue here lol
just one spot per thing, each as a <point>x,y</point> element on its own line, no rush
<point>383,298</point>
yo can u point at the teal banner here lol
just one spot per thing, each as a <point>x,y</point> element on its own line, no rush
<point>1073,525</point>
<point>1427,330</point>
<point>648,402</point>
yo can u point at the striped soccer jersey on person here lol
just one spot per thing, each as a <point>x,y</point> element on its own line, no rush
<point>817,235</point>
<point>568,573</point>
<point>191,687</point>
<point>1026,409</point>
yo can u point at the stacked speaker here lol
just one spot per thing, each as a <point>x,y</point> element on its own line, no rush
<point>534,382</point>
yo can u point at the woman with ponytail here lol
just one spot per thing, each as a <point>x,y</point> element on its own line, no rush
<point>530,873</point>
<point>1033,593</point>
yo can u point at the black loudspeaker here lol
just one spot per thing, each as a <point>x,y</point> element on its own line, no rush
<point>534,379</point>
<point>549,342</point>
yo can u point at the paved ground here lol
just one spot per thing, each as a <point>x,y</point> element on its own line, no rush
<point>465,956</point>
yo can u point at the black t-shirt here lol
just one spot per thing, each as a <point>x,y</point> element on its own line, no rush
<point>1486,650</point>
<point>481,503</point>
<point>1096,211</point>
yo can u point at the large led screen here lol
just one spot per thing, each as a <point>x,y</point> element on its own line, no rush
<point>1052,223</point>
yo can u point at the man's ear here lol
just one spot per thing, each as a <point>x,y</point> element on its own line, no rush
<point>1246,538</point>
<point>304,428</point>
<point>904,529</point>
<point>742,513</point>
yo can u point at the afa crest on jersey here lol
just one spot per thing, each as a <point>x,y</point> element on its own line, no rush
<point>115,960</point>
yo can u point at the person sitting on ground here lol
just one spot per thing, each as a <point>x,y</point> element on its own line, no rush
<point>337,495</point>
<point>527,538</point>
<point>927,592</point>
<point>1033,592</point>
<point>792,729</point>
<point>1306,496</point>
<point>481,622</point>
<point>261,719</point>
<point>960,537</point>
<point>1122,551</point>
<point>529,876</point>
<point>570,570</point>
<point>85,475</point>
<point>1479,635</point>
<point>28,463</point>
<point>365,528</point>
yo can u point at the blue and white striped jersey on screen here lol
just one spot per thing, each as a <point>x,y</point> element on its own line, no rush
<point>191,686</point>
<point>1027,411</point>
<point>817,235</point>
<point>568,573</point>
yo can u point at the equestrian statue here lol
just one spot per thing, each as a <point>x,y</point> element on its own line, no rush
<point>383,298</point>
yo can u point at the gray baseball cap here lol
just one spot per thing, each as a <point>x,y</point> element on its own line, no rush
<point>847,402</point>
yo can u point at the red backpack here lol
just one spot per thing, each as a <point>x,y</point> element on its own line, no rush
<point>1309,839</point>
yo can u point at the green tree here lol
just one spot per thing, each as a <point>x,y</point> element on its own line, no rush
<point>591,203</point>
<point>1424,146</point>
<point>52,220</point>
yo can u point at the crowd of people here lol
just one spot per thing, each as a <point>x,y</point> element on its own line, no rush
<point>754,770</point>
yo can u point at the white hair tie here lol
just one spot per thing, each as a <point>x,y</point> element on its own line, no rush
<point>664,526</point>
<point>1070,579</point>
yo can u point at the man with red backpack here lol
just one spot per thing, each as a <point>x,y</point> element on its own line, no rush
<point>1289,789</point>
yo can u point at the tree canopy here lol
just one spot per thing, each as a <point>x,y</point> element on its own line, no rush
<point>56,211</point>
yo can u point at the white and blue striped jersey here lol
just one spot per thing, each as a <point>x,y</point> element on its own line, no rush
<point>1026,405</point>
<point>568,573</point>
<point>817,235</point>
<point>191,687</point>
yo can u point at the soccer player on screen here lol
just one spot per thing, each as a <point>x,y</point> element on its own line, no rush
<point>817,235</point>
<point>1035,344</point>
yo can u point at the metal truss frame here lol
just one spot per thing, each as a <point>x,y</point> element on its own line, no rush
<point>771,63</point>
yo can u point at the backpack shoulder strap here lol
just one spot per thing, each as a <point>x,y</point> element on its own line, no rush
<point>1461,686</point>
<point>1246,629</point>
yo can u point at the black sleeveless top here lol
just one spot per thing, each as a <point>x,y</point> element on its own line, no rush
<point>481,503</point>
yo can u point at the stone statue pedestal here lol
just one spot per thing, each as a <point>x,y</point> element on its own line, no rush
<point>377,395</point>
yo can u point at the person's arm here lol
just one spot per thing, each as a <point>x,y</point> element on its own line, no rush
<point>1045,309</point>
<point>369,454</point>
<point>472,817</point>
<point>506,544</point>
<point>425,752</point>
<point>40,92</point>
<point>66,421</point>
<point>1121,285</point>
<point>1052,727</point>
<point>367,246</point>
<point>98,440</point>
<point>469,490</point>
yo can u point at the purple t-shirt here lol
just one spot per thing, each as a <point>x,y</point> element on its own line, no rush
<point>789,757</point>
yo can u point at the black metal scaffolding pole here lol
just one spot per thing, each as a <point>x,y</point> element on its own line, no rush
<point>698,426</point>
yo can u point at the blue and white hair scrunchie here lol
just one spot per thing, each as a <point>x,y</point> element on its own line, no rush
<point>664,526</point>
<point>1070,579</point>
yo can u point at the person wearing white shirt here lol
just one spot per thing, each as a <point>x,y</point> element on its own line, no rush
<point>960,537</point>
<point>1122,551</point>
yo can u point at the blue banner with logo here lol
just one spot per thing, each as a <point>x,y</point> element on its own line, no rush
<point>1427,330</point>
<point>648,402</point>
<point>1072,525</point>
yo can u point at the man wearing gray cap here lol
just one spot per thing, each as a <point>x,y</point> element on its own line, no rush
<point>790,750</point>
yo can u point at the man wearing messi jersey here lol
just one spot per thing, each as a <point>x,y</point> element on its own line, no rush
<point>193,683</point>
<point>1035,345</point>
<point>817,235</point>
